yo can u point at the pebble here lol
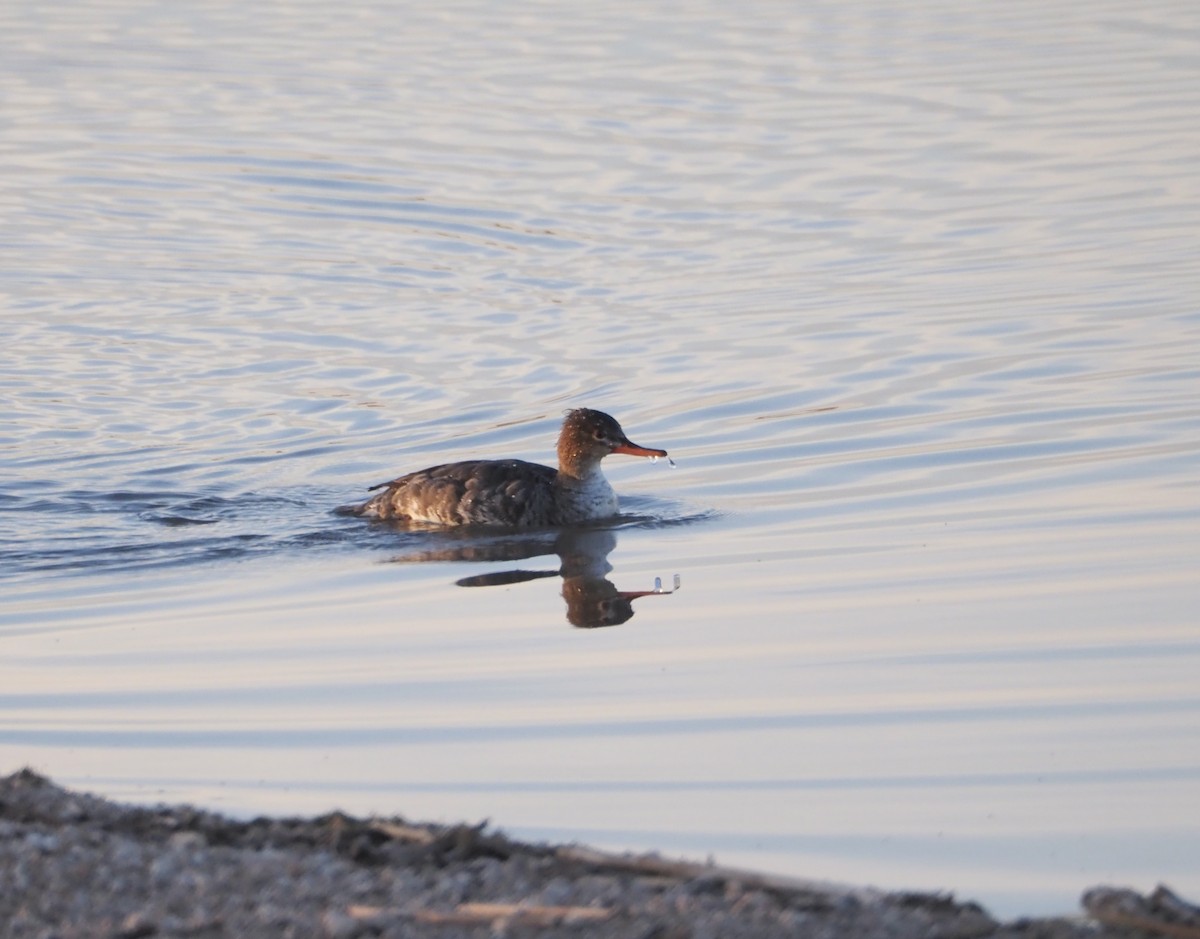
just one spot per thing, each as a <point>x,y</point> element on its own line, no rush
<point>187,840</point>
<point>41,841</point>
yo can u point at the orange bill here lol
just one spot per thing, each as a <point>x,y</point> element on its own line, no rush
<point>628,446</point>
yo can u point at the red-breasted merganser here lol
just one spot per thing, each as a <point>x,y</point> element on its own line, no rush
<point>513,493</point>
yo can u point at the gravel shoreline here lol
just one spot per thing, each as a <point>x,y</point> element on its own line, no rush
<point>75,865</point>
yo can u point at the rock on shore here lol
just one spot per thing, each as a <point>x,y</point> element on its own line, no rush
<point>74,865</point>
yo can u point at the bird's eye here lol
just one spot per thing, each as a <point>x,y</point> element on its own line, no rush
<point>598,434</point>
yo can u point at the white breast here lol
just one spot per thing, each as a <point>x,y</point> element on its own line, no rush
<point>591,498</point>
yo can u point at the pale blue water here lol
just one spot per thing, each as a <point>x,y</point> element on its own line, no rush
<point>910,296</point>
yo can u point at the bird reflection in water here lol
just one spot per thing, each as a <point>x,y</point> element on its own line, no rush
<point>592,599</point>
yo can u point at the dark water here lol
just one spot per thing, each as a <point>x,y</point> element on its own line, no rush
<point>910,295</point>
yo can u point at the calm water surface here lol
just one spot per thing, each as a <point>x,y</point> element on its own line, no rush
<point>909,294</point>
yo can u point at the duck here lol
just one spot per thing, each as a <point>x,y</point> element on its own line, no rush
<point>515,493</point>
